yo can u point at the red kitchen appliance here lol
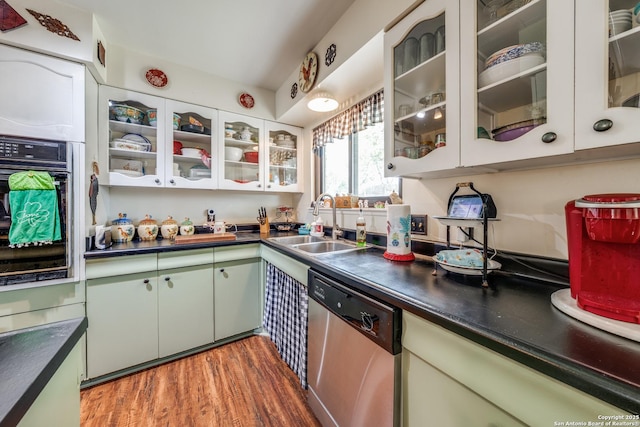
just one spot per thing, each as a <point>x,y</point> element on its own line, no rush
<point>603,234</point>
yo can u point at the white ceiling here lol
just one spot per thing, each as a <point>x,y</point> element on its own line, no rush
<point>256,42</point>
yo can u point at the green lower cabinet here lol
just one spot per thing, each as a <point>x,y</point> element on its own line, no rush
<point>123,322</point>
<point>238,297</point>
<point>185,309</point>
<point>450,381</point>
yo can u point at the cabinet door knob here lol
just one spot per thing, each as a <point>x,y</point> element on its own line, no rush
<point>259,185</point>
<point>269,186</point>
<point>166,279</point>
<point>145,281</point>
<point>171,181</point>
<point>390,166</point>
<point>549,137</point>
<point>602,125</point>
<point>157,181</point>
<point>222,270</point>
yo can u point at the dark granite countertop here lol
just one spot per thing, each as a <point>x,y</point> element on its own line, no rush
<point>28,359</point>
<point>515,318</point>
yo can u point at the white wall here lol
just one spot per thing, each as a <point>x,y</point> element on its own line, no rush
<point>530,203</point>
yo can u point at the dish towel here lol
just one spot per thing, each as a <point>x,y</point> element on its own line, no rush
<point>35,219</point>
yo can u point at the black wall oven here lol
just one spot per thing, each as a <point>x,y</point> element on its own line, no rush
<point>35,263</point>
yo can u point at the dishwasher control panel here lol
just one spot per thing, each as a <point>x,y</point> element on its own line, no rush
<point>375,319</point>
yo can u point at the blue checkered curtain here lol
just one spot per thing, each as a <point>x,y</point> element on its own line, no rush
<point>286,315</point>
<point>365,113</point>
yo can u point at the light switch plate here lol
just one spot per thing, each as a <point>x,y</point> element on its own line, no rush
<point>419,224</point>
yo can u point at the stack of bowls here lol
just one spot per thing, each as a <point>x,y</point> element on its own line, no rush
<point>620,21</point>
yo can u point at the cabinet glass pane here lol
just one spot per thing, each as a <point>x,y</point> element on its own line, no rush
<point>241,152</point>
<point>283,159</point>
<point>512,68</point>
<point>133,141</point>
<point>419,90</point>
<point>624,59</point>
<point>191,145</point>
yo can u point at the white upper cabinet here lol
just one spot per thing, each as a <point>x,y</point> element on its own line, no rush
<point>607,74</point>
<point>131,149</point>
<point>282,164</point>
<point>516,78</point>
<point>422,90</point>
<point>190,144</point>
<point>240,152</point>
<point>42,96</point>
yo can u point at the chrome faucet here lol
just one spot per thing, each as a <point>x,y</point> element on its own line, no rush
<point>336,231</point>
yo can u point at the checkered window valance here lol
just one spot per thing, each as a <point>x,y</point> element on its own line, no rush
<point>365,113</point>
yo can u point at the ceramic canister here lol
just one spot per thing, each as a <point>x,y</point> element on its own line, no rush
<point>187,228</point>
<point>148,228</point>
<point>169,228</point>
<point>122,230</point>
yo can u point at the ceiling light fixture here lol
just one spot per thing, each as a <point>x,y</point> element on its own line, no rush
<point>437,114</point>
<point>322,102</point>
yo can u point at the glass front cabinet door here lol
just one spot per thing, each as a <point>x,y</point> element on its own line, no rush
<point>282,167</point>
<point>607,75</point>
<point>189,146</point>
<point>240,152</point>
<point>131,148</point>
<point>516,80</point>
<point>422,90</point>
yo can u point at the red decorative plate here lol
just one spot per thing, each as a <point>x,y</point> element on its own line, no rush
<point>156,78</point>
<point>246,100</point>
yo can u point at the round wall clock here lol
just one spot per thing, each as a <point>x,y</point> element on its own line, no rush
<point>308,70</point>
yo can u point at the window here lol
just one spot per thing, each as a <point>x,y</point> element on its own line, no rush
<point>350,152</point>
<point>355,165</point>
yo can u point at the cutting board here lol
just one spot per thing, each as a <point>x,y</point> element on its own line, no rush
<point>205,237</point>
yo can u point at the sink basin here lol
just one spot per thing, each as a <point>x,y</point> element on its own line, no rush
<point>296,240</point>
<point>325,247</point>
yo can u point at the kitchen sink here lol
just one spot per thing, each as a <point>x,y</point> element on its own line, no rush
<point>312,245</point>
<point>325,247</point>
<point>296,240</point>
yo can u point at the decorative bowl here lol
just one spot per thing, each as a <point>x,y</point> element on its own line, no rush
<point>152,117</point>
<point>516,130</point>
<point>509,68</point>
<point>513,52</point>
<point>127,113</point>
<point>251,156</point>
<point>232,153</point>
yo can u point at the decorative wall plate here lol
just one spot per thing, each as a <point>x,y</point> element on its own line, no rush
<point>330,55</point>
<point>246,100</point>
<point>308,70</point>
<point>156,78</point>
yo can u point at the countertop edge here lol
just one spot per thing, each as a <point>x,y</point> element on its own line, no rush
<point>36,384</point>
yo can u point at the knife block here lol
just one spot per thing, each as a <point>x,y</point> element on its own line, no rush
<point>264,227</point>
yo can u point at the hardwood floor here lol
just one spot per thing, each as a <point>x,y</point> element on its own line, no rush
<point>244,383</point>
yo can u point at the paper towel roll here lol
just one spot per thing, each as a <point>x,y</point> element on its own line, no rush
<point>399,233</point>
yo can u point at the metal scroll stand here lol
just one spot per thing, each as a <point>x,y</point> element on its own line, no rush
<point>485,228</point>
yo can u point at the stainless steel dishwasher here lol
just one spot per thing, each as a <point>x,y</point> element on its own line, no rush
<point>353,356</point>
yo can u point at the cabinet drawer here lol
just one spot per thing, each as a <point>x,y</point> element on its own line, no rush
<point>185,258</point>
<point>117,266</point>
<point>232,253</point>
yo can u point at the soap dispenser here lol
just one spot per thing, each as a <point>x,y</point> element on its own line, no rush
<point>317,227</point>
<point>361,231</point>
